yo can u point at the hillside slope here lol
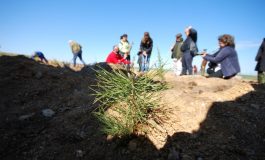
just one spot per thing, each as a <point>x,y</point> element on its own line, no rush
<point>45,113</point>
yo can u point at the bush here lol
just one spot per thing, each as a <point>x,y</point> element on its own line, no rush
<point>126,100</point>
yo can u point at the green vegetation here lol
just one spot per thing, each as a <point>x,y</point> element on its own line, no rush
<point>126,101</point>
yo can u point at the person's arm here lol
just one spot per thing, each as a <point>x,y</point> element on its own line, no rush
<point>220,56</point>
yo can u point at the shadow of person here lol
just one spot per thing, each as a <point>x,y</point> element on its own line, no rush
<point>231,130</point>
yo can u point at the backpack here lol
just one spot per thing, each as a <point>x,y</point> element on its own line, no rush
<point>193,49</point>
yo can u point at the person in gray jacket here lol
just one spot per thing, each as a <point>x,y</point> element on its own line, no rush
<point>260,67</point>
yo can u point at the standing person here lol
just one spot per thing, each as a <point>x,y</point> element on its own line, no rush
<point>177,55</point>
<point>146,47</point>
<point>40,55</point>
<point>125,47</point>
<point>226,57</point>
<point>189,49</point>
<point>260,59</point>
<point>114,57</point>
<point>76,50</point>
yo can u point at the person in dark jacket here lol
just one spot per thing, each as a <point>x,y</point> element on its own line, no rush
<point>260,59</point>
<point>226,57</point>
<point>40,55</point>
<point>144,54</point>
<point>189,48</point>
<point>177,54</point>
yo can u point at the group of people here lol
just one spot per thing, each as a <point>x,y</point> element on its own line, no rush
<point>223,63</point>
<point>121,52</point>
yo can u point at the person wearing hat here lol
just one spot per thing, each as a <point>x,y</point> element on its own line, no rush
<point>125,47</point>
<point>144,54</point>
<point>76,50</point>
<point>177,54</point>
<point>40,55</point>
<point>260,59</point>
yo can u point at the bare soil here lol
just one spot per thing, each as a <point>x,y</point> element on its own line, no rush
<point>203,118</point>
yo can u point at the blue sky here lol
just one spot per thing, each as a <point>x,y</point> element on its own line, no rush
<point>47,25</point>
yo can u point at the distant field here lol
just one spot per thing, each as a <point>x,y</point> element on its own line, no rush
<point>249,77</point>
<point>7,54</point>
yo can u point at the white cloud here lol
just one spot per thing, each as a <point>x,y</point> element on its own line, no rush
<point>247,45</point>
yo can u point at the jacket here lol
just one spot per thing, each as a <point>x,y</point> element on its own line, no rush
<point>76,48</point>
<point>260,58</point>
<point>189,46</point>
<point>147,46</point>
<point>176,51</point>
<point>228,59</point>
<point>124,47</point>
<point>116,58</point>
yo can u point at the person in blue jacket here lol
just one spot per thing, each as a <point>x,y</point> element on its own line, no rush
<point>40,55</point>
<point>226,57</point>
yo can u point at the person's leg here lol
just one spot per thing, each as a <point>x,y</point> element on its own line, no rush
<point>45,60</point>
<point>179,67</point>
<point>261,77</point>
<point>147,62</point>
<point>189,64</point>
<point>210,71</point>
<point>74,59</point>
<point>143,63</point>
<point>217,74</point>
<point>80,57</point>
<point>184,65</point>
<point>139,61</point>
<point>174,66</point>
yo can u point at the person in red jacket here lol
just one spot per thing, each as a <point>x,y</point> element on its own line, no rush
<point>115,58</point>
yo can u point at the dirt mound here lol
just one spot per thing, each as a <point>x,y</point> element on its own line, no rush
<point>45,113</point>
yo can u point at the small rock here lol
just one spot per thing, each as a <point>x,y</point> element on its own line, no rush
<point>109,137</point>
<point>79,153</point>
<point>47,113</point>
<point>255,106</point>
<point>232,137</point>
<point>132,145</point>
<point>173,154</point>
<point>38,75</point>
<point>24,117</point>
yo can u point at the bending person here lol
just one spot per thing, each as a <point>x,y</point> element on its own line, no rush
<point>77,51</point>
<point>115,58</point>
<point>40,55</point>
<point>146,47</point>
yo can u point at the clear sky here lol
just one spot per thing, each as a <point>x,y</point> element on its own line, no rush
<point>47,25</point>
